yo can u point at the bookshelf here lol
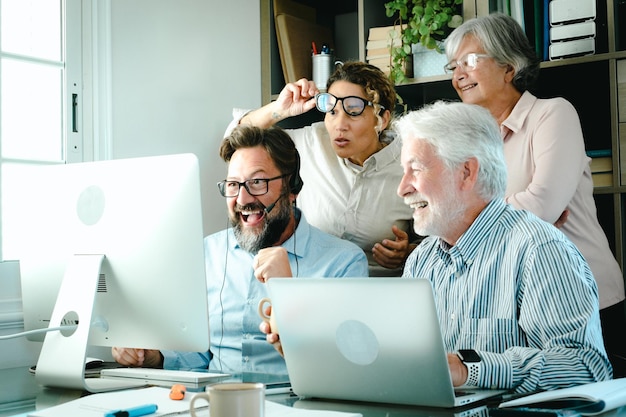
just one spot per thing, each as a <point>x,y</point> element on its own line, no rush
<point>595,84</point>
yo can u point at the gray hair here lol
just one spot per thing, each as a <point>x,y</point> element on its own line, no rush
<point>458,132</point>
<point>505,41</point>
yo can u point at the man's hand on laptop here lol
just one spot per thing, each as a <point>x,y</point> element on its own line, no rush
<point>458,370</point>
<point>272,338</point>
<point>146,358</point>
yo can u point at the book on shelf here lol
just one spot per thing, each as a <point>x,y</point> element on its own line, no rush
<point>529,20</point>
<point>517,12</point>
<point>602,179</point>
<point>482,7</point>
<point>384,64</point>
<point>381,39</point>
<point>380,62</point>
<point>601,164</point>
<point>568,11</point>
<point>573,31</point>
<point>595,153</point>
<point>469,9</point>
<point>538,26</point>
<point>385,32</point>
<point>376,58</point>
<point>378,52</point>
<point>528,13</point>
<point>545,48</point>
<point>572,28</point>
<point>572,48</point>
<point>555,28</point>
<point>383,43</point>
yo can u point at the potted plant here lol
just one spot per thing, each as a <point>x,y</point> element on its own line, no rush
<point>428,23</point>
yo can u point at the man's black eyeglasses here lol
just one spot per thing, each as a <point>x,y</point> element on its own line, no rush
<point>255,186</point>
<point>352,105</point>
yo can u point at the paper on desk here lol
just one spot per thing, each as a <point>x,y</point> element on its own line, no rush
<point>588,399</point>
<point>98,404</point>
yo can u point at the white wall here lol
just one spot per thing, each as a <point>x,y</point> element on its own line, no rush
<point>178,69</point>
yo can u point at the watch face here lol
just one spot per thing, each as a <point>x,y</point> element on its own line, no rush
<point>469,355</point>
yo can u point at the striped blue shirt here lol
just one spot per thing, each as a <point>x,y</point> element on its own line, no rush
<point>517,291</point>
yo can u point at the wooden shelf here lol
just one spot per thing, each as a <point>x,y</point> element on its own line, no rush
<point>577,79</point>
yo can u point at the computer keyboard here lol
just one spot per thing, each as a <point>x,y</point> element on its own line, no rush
<point>112,384</point>
<point>163,375</point>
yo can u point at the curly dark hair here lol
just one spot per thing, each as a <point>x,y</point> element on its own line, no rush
<point>377,85</point>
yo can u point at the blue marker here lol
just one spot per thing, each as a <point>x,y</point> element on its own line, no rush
<point>142,410</point>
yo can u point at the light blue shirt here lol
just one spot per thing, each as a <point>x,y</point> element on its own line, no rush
<point>236,344</point>
<point>517,291</point>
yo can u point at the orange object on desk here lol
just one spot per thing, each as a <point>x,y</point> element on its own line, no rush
<point>177,392</point>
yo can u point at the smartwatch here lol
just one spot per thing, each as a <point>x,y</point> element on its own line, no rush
<point>472,360</point>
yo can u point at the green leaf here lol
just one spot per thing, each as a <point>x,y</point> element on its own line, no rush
<point>427,24</point>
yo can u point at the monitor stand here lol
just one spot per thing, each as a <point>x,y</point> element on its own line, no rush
<point>62,359</point>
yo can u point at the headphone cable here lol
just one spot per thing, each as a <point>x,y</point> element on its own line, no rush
<point>219,346</point>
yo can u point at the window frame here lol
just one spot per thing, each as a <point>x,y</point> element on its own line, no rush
<point>89,77</point>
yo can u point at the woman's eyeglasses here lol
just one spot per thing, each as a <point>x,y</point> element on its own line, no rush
<point>468,63</point>
<point>352,105</point>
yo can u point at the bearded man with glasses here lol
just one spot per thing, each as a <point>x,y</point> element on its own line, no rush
<point>350,161</point>
<point>269,237</point>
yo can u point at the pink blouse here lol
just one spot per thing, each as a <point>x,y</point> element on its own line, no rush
<point>549,171</point>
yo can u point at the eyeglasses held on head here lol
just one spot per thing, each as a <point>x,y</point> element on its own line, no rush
<point>467,63</point>
<point>352,105</point>
<point>254,186</point>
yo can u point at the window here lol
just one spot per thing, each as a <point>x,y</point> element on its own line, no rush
<point>40,93</point>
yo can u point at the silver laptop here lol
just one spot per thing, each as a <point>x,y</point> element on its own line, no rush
<point>365,339</point>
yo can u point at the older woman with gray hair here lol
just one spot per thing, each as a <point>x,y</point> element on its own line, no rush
<point>493,65</point>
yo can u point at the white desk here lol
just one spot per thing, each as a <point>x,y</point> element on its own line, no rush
<point>20,394</point>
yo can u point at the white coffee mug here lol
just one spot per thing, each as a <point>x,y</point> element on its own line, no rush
<point>263,304</point>
<point>232,399</point>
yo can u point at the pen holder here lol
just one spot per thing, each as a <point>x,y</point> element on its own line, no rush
<point>323,67</point>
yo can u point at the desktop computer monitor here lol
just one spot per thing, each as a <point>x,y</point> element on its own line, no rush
<point>115,247</point>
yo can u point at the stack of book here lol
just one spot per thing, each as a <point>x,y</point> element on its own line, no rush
<point>379,44</point>
<point>556,28</point>
<point>601,167</point>
<point>572,28</point>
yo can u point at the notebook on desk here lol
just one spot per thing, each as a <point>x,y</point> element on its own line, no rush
<point>365,339</point>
